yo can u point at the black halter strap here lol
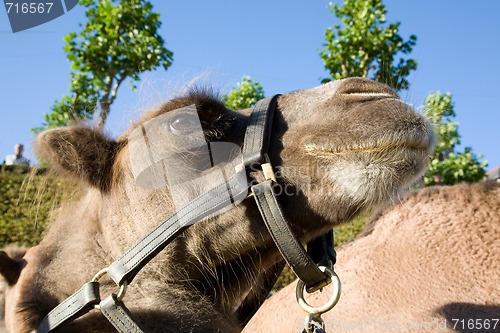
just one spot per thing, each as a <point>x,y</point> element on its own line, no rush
<point>319,251</point>
<point>255,148</point>
<point>125,268</point>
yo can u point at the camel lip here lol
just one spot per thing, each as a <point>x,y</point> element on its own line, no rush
<point>422,144</point>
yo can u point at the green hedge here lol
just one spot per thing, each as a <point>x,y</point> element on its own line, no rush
<point>26,200</point>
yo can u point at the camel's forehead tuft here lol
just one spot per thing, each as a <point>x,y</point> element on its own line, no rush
<point>210,109</point>
<point>215,119</point>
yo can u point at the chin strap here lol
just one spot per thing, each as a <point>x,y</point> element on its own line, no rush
<point>288,245</point>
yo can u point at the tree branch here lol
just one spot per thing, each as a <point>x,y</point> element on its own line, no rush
<point>109,97</point>
<point>104,102</point>
<point>117,85</point>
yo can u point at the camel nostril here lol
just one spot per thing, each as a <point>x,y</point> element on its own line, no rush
<point>362,87</point>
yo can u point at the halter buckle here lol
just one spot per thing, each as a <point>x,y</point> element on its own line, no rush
<point>267,169</point>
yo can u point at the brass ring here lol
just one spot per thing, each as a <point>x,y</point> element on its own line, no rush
<point>121,292</point>
<point>299,293</point>
<point>100,274</point>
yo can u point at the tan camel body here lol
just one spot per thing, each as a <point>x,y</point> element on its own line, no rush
<point>428,264</point>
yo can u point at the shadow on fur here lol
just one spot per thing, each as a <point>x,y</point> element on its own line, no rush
<point>456,312</point>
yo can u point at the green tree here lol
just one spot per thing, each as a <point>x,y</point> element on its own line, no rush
<point>244,95</point>
<point>366,46</point>
<point>119,41</point>
<point>447,165</point>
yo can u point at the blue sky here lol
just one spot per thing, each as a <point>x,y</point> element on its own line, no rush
<point>276,42</point>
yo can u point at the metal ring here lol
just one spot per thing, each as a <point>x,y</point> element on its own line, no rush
<point>299,293</point>
<point>100,274</point>
<point>121,292</point>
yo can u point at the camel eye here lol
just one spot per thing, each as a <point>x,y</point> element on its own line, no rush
<point>184,124</point>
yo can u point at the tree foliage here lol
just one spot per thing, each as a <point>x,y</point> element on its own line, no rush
<point>244,95</point>
<point>447,166</point>
<point>366,45</point>
<point>119,41</point>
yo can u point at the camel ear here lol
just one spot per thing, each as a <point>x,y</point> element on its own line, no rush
<point>79,152</point>
<point>10,268</point>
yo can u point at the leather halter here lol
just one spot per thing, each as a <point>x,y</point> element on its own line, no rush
<point>123,270</point>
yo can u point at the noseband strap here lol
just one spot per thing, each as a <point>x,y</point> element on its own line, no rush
<point>258,132</point>
<point>123,271</point>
